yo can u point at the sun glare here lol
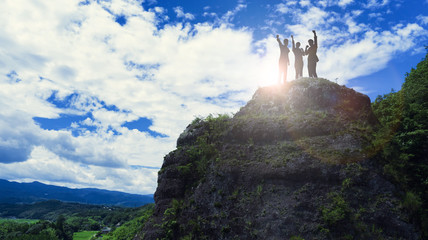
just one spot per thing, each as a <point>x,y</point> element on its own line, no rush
<point>268,75</point>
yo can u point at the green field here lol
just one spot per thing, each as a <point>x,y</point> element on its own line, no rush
<point>85,235</point>
<point>2,220</point>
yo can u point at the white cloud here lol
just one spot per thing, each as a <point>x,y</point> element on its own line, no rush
<point>374,14</point>
<point>323,3</point>
<point>47,167</point>
<point>376,3</point>
<point>228,17</point>
<point>353,26</point>
<point>282,8</point>
<point>305,3</point>
<point>360,89</point>
<point>159,10</point>
<point>81,49</point>
<point>422,19</point>
<point>378,16</point>
<point>369,55</point>
<point>357,12</point>
<point>180,14</point>
<point>313,18</point>
<point>347,47</point>
<point>344,3</point>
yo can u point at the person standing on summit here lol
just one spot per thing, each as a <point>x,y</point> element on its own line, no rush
<point>283,59</point>
<point>298,58</point>
<point>311,51</point>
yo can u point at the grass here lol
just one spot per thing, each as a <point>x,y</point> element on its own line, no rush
<point>30,221</point>
<point>85,235</point>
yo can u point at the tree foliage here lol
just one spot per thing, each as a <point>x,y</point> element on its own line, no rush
<point>41,230</point>
<point>403,141</point>
<point>61,220</point>
<point>128,230</point>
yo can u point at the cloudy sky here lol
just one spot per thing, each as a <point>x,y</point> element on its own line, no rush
<point>94,93</point>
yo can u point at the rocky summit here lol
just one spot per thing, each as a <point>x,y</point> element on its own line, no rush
<point>296,162</point>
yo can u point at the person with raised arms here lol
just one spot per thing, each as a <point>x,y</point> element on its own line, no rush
<point>311,51</point>
<point>298,58</point>
<point>283,59</point>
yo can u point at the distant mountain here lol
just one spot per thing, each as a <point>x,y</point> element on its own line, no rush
<point>13,192</point>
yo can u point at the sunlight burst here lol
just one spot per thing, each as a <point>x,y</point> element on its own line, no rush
<point>268,75</point>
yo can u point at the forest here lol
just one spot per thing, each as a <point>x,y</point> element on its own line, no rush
<point>401,143</point>
<point>58,220</point>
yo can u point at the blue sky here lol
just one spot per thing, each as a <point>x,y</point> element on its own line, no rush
<point>95,93</point>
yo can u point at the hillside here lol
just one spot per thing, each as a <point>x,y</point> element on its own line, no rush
<point>52,209</point>
<point>59,220</point>
<point>13,192</point>
<point>296,162</point>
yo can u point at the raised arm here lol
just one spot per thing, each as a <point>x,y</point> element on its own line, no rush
<point>279,41</point>
<point>315,38</point>
<point>292,41</point>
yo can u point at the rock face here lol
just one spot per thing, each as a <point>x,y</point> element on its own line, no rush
<point>294,163</point>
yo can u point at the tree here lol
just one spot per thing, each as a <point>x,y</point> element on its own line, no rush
<point>403,140</point>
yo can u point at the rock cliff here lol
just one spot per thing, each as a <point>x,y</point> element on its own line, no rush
<point>294,163</point>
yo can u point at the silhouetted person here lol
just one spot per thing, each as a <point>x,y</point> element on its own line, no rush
<point>298,58</point>
<point>283,59</point>
<point>311,51</point>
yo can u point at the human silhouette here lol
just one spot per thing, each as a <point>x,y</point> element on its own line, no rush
<point>298,58</point>
<point>283,59</point>
<point>311,51</point>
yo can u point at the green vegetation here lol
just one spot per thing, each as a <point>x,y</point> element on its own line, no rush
<point>400,145</point>
<point>296,238</point>
<point>28,230</point>
<point>68,221</point>
<point>402,141</point>
<point>197,159</point>
<point>85,235</point>
<point>336,210</point>
<point>204,150</point>
<point>77,216</point>
<point>30,221</point>
<point>128,230</point>
<point>170,223</point>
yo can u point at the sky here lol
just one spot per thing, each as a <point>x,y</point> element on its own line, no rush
<point>95,93</point>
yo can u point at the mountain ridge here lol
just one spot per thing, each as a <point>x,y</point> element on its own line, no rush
<point>14,192</point>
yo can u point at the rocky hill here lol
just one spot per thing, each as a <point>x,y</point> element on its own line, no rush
<point>295,163</point>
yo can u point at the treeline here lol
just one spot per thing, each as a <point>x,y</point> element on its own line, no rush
<point>402,142</point>
<point>42,230</point>
<point>60,220</point>
<point>52,209</point>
